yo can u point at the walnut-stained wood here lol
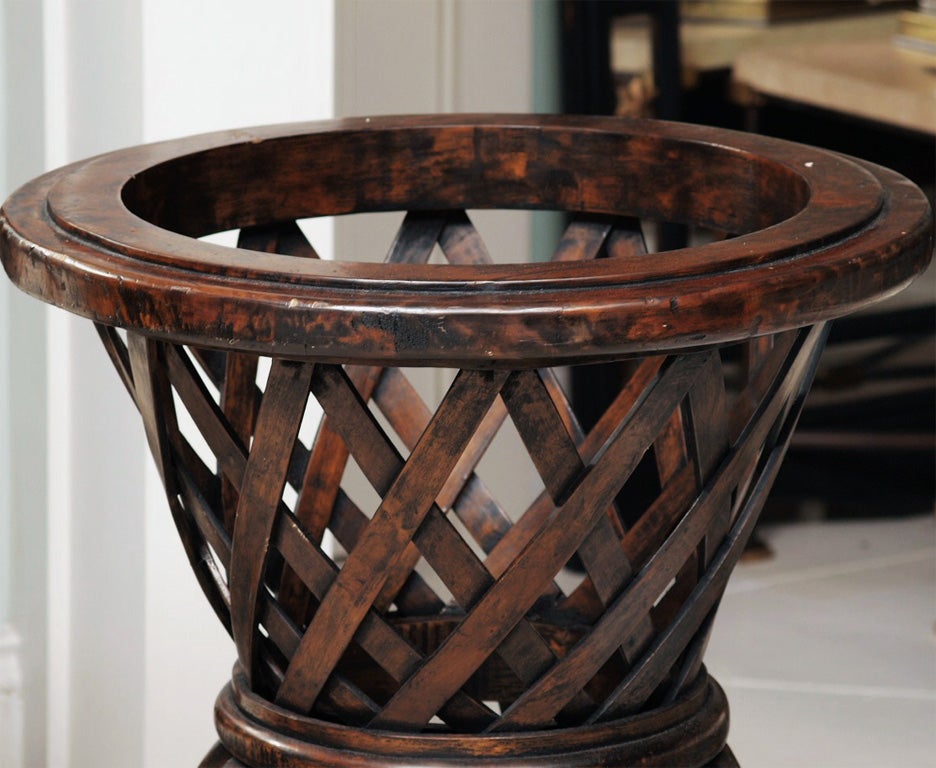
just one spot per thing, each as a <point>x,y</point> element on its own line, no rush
<point>438,626</point>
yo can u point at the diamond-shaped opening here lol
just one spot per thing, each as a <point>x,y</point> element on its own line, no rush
<point>355,483</point>
<point>434,582</point>
<point>509,473</point>
<point>640,491</point>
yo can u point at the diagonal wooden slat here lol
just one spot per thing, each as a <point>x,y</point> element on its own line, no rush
<point>284,237</point>
<point>583,238</point>
<point>504,605</point>
<point>224,443</point>
<point>239,405</point>
<point>706,440</point>
<point>416,237</point>
<point>413,244</point>
<point>777,414</point>
<point>460,241</point>
<point>707,436</point>
<point>524,651</point>
<point>626,239</point>
<point>153,398</point>
<point>117,351</point>
<point>586,658</point>
<point>374,635</point>
<point>260,493</point>
<point>408,415</point>
<point>400,513</point>
<point>557,459</point>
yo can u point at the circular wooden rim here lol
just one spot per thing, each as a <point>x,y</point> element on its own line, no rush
<point>673,734</point>
<point>852,233</point>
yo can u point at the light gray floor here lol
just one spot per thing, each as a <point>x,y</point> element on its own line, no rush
<point>828,650</point>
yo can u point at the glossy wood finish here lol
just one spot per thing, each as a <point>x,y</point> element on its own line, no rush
<point>449,631</point>
<point>126,220</point>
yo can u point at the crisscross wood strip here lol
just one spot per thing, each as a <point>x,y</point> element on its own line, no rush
<point>760,377</point>
<point>706,439</point>
<point>505,604</point>
<point>542,430</point>
<point>654,525</point>
<point>519,535</point>
<point>481,515</point>
<point>586,658</point>
<point>549,694</point>
<point>347,412</point>
<point>212,362</point>
<point>224,443</point>
<point>154,400</point>
<point>214,532</point>
<point>319,487</point>
<point>412,244</point>
<point>239,405</point>
<point>117,352</point>
<point>753,353</point>
<point>462,244</point>
<point>557,459</point>
<point>284,237</point>
<point>239,392</point>
<point>327,461</point>
<point>784,402</point>
<point>690,665</point>
<point>611,419</point>
<point>583,238</point>
<point>375,636</point>
<point>670,448</point>
<point>318,573</point>
<point>355,705</point>
<point>402,510</point>
<point>460,241</point>
<point>408,415</point>
<point>416,237</point>
<point>524,651</point>
<point>195,480</point>
<point>261,492</point>
<point>626,239</point>
<point>707,436</point>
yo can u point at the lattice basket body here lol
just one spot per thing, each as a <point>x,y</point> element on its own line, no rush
<point>435,626</point>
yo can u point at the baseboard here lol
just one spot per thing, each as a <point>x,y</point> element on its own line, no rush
<point>11,699</point>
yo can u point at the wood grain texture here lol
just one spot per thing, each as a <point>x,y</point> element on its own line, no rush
<point>438,626</point>
<point>110,247</point>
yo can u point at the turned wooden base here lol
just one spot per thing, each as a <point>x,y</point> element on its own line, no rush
<point>688,732</point>
<point>219,757</point>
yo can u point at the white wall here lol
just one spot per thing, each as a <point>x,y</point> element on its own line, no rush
<point>22,407</point>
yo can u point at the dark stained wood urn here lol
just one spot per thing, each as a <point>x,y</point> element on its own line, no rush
<point>437,627</point>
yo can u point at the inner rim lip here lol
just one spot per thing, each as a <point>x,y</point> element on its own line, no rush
<point>798,183</point>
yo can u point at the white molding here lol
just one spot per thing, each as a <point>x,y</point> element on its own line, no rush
<point>11,699</point>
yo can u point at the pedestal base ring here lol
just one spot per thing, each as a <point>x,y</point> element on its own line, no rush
<point>688,732</point>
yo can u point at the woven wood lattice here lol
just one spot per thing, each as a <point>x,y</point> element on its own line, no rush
<point>447,614</point>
